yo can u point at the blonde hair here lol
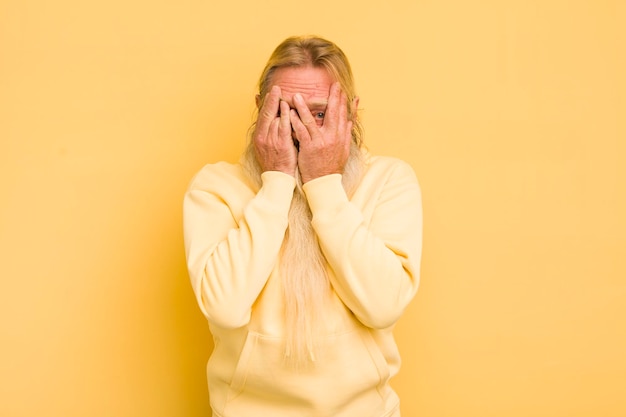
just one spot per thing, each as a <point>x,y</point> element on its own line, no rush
<point>302,51</point>
<point>302,265</point>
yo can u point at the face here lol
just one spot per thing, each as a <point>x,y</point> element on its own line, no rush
<point>312,83</point>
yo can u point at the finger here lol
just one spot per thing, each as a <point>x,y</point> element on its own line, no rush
<point>267,141</point>
<point>333,110</point>
<point>273,130</point>
<point>302,133</point>
<point>269,110</point>
<point>348,134</point>
<point>284,128</point>
<point>342,118</point>
<point>304,114</point>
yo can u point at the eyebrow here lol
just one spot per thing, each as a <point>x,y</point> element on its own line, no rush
<point>318,105</point>
<point>315,105</point>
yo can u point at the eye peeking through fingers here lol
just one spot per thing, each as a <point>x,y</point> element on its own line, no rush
<point>319,115</point>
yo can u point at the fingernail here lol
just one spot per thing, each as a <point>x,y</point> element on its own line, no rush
<point>297,97</point>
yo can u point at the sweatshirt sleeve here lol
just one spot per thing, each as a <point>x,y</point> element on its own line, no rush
<point>376,264</point>
<point>229,258</point>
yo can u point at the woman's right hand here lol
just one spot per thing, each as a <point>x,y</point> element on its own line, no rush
<point>275,150</point>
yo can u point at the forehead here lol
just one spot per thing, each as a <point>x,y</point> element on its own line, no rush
<point>312,82</point>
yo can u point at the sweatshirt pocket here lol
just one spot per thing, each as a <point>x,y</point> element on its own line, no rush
<point>349,378</point>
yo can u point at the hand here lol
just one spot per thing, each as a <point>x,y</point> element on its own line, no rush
<point>275,150</point>
<point>322,150</point>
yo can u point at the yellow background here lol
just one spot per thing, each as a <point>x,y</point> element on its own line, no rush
<point>511,112</point>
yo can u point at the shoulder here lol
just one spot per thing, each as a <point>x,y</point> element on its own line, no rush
<point>217,175</point>
<point>388,186</point>
<point>386,167</point>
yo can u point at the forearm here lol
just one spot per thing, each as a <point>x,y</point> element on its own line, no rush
<point>375,265</point>
<point>229,258</point>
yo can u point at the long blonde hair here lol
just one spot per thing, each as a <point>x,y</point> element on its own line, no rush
<point>302,264</point>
